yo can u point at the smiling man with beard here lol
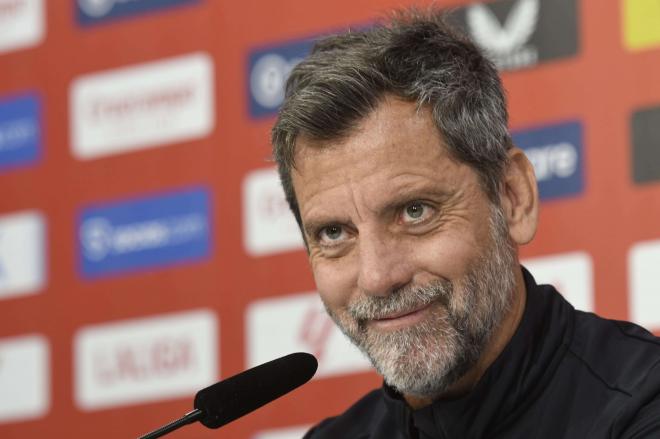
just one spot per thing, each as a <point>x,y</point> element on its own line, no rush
<point>395,157</point>
<point>430,356</point>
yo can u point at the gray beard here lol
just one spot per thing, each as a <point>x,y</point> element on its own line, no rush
<point>426,359</point>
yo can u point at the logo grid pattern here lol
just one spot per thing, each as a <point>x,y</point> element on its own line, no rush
<point>138,208</point>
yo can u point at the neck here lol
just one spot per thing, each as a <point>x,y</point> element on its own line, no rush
<point>498,341</point>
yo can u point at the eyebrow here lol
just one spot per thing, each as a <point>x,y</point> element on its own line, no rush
<point>421,192</point>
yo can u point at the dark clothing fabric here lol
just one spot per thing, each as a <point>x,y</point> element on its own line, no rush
<point>564,374</point>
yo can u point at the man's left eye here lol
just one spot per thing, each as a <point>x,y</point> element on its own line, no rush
<point>415,212</point>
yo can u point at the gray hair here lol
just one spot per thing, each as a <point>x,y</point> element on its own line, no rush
<point>417,57</point>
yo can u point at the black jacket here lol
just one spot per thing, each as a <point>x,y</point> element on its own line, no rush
<point>564,374</point>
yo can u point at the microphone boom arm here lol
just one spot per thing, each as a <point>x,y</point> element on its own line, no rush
<point>188,418</point>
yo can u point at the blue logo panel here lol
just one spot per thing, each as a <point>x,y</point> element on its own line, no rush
<point>90,12</point>
<point>20,131</point>
<point>144,233</point>
<point>268,70</point>
<point>557,155</point>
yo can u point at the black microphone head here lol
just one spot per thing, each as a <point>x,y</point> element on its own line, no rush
<point>240,394</point>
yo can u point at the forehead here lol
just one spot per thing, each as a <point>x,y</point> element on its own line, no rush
<point>391,123</point>
<point>396,140</point>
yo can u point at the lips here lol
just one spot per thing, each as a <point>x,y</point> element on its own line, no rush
<point>402,313</point>
<point>402,318</point>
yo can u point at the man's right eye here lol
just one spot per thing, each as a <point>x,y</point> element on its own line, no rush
<point>331,234</point>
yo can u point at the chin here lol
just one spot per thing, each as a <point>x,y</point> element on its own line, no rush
<point>424,360</point>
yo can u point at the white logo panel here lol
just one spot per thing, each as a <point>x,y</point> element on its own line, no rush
<point>299,323</point>
<point>148,359</point>
<point>570,273</point>
<point>22,254</point>
<point>269,225</point>
<point>22,24</point>
<point>644,284</point>
<point>24,378</point>
<point>282,433</point>
<point>142,106</point>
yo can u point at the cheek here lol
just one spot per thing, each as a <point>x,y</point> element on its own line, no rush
<point>335,284</point>
<point>448,255</point>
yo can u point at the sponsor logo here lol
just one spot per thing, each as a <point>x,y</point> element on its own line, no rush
<point>556,153</point>
<point>268,71</point>
<point>521,33</point>
<point>646,145</point>
<point>570,273</point>
<point>269,225</point>
<point>282,433</point>
<point>24,378</point>
<point>22,24</point>
<point>640,24</point>
<point>644,284</point>
<point>135,361</point>
<point>97,11</point>
<point>20,131</point>
<point>144,233</point>
<point>295,323</point>
<point>22,254</point>
<point>142,106</point>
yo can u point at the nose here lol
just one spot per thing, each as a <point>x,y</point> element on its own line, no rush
<point>383,264</point>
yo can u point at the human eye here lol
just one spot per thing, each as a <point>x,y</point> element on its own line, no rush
<point>332,234</point>
<point>415,212</point>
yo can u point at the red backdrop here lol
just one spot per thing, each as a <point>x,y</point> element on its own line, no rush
<point>238,294</point>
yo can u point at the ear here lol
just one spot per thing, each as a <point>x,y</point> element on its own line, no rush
<point>520,197</point>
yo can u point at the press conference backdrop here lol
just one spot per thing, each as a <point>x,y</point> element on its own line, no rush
<point>146,249</point>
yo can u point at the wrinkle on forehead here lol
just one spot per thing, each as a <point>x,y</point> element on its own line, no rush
<point>373,124</point>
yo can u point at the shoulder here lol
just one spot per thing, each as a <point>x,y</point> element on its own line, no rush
<point>623,355</point>
<point>610,376</point>
<point>626,358</point>
<point>364,419</point>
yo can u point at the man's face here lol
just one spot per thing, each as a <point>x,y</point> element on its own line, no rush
<point>411,259</point>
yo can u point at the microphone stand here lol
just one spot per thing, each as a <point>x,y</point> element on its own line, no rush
<point>188,418</point>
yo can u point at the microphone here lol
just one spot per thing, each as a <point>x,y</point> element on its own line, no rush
<point>227,400</point>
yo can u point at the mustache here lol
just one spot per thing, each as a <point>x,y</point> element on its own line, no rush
<point>401,300</point>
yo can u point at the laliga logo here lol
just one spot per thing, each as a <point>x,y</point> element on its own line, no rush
<point>164,357</point>
<point>96,238</point>
<point>505,42</point>
<point>268,78</point>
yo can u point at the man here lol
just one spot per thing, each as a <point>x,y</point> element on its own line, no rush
<point>395,157</point>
